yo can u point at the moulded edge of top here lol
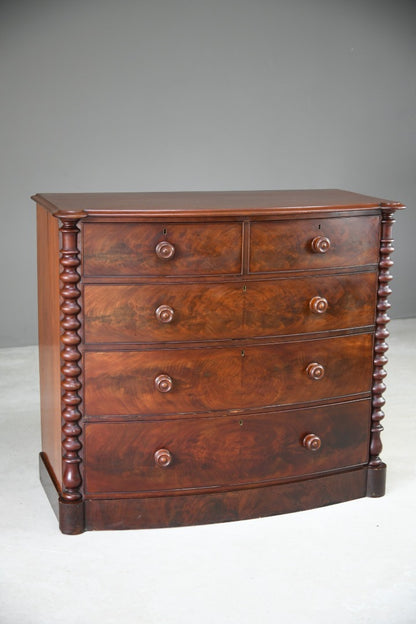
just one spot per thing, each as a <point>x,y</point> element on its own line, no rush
<point>185,204</point>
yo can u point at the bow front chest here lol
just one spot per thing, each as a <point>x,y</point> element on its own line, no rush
<point>210,356</point>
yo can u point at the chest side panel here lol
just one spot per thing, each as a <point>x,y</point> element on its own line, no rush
<point>49,338</point>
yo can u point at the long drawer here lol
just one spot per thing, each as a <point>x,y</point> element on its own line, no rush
<point>175,312</point>
<point>314,243</point>
<point>218,451</point>
<point>172,381</point>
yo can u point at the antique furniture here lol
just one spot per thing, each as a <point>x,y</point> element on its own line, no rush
<point>210,356</point>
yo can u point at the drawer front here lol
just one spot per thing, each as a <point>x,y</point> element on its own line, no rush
<point>176,312</point>
<point>162,312</point>
<point>152,249</point>
<point>199,380</point>
<point>189,453</point>
<point>314,243</point>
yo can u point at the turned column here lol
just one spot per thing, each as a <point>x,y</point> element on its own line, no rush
<point>70,357</point>
<point>376,482</point>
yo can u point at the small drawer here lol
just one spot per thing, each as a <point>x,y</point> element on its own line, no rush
<point>153,249</point>
<point>172,381</point>
<point>120,313</point>
<point>314,243</point>
<point>224,450</point>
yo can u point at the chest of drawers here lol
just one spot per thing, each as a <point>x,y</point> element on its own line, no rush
<point>207,357</point>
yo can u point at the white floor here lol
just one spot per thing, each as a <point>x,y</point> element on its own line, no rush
<point>349,563</point>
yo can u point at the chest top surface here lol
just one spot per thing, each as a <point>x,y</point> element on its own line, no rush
<point>199,204</point>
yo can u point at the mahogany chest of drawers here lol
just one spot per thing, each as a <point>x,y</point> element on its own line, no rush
<point>207,357</point>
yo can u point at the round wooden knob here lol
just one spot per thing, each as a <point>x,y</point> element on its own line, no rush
<point>164,314</point>
<point>312,442</point>
<point>320,244</point>
<point>319,305</point>
<point>315,371</point>
<point>163,383</point>
<point>165,250</point>
<point>163,458</point>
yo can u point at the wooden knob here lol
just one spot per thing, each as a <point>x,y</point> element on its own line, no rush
<point>320,244</point>
<point>319,305</point>
<point>163,458</point>
<point>164,314</point>
<point>312,442</point>
<point>315,371</point>
<point>163,383</point>
<point>165,250</point>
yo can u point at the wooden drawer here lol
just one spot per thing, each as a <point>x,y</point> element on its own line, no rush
<point>314,243</point>
<point>153,249</point>
<point>176,312</point>
<point>179,381</point>
<point>224,450</point>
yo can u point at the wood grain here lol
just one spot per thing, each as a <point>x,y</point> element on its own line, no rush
<point>286,245</point>
<point>222,354</point>
<point>239,504</point>
<point>225,378</point>
<point>49,343</point>
<point>225,450</point>
<point>130,249</point>
<point>203,204</point>
<point>128,313</point>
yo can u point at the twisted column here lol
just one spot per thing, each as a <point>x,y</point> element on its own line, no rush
<point>70,356</point>
<point>377,469</point>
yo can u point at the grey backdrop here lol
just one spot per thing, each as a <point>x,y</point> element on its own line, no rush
<point>100,95</point>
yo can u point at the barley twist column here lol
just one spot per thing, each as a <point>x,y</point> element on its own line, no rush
<point>70,356</point>
<point>376,481</point>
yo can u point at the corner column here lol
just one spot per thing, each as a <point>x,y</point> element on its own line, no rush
<point>71,506</point>
<point>376,479</point>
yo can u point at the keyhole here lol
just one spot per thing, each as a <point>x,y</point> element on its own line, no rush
<point>241,423</point>
<point>165,231</point>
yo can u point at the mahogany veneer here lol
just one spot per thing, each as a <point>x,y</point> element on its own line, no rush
<point>215,379</point>
<point>207,357</point>
<point>119,313</point>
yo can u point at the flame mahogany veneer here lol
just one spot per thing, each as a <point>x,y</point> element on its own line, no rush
<point>211,356</point>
